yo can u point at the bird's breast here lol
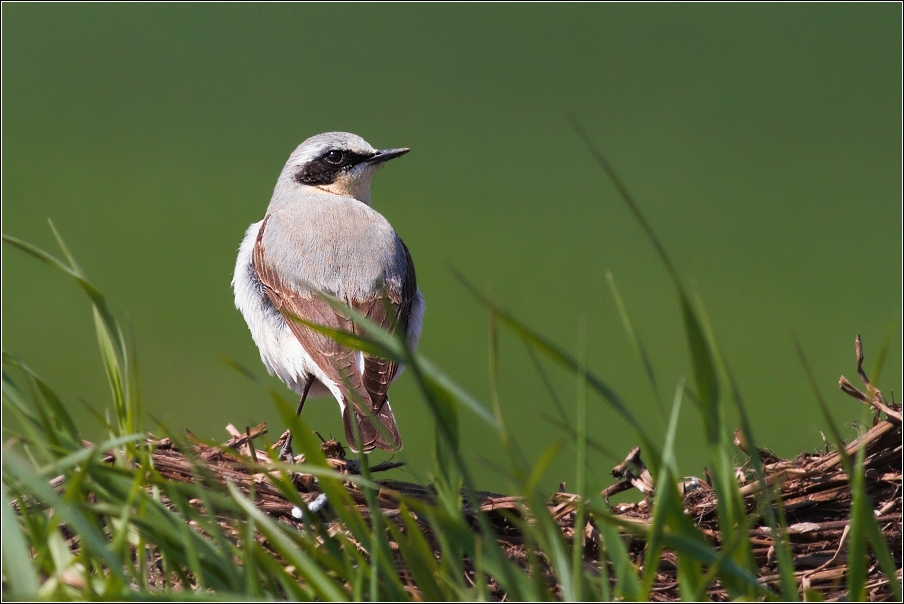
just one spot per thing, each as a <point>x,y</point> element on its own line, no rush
<point>345,249</point>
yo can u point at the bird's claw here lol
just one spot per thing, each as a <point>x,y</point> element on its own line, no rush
<point>285,453</point>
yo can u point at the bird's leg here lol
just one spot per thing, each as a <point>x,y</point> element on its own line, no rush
<point>285,453</point>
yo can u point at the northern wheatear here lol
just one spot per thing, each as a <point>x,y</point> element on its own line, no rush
<point>320,233</point>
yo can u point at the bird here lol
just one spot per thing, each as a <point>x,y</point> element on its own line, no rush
<point>320,236</point>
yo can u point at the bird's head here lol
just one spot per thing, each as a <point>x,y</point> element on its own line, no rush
<point>338,162</point>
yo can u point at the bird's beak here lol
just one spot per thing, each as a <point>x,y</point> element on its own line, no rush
<point>386,154</point>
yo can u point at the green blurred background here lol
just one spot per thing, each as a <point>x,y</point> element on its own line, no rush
<point>762,141</point>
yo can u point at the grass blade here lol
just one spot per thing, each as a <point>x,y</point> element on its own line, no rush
<point>18,564</point>
<point>322,583</point>
<point>559,355</point>
<point>92,538</point>
<point>634,338</point>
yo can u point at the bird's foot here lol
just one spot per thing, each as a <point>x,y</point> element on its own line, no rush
<point>285,452</point>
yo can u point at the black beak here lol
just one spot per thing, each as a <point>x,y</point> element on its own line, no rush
<point>386,154</point>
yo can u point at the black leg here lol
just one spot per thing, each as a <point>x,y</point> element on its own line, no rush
<point>304,395</point>
<point>285,453</point>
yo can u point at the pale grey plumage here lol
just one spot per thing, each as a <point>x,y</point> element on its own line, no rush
<point>345,228</point>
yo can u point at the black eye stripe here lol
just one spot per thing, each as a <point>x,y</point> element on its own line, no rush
<point>326,169</point>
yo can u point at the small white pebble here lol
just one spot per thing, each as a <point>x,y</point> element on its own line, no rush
<point>296,512</point>
<point>317,505</point>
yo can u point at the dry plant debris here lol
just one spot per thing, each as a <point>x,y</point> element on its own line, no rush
<point>814,490</point>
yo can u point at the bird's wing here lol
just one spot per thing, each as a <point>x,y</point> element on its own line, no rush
<point>389,309</point>
<point>337,363</point>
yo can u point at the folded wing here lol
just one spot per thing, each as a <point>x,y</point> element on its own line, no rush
<point>365,403</point>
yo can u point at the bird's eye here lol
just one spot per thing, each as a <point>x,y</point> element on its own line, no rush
<point>334,157</point>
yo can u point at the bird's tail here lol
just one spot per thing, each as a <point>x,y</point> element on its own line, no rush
<point>377,431</point>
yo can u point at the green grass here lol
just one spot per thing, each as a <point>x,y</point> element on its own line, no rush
<point>117,529</point>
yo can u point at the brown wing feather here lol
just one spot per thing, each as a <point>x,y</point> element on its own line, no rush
<point>332,358</point>
<point>391,311</point>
